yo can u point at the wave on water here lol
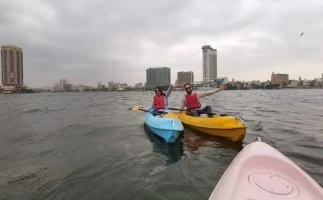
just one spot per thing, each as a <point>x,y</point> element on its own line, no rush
<point>44,110</point>
<point>90,146</point>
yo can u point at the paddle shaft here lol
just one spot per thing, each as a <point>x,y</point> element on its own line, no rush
<point>157,113</point>
<point>138,108</point>
<point>187,110</point>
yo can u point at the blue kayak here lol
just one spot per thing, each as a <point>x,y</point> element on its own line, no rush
<point>167,126</point>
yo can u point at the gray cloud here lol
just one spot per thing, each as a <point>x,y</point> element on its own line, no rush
<point>91,41</point>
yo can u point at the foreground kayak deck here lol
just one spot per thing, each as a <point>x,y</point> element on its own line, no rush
<point>232,128</point>
<point>167,127</point>
<point>261,172</point>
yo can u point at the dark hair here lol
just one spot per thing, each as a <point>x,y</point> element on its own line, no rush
<point>187,84</point>
<point>161,91</point>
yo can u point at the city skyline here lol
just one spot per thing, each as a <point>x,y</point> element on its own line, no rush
<point>155,76</point>
<point>186,76</point>
<point>92,46</point>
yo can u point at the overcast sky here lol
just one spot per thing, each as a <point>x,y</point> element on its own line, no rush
<point>91,41</point>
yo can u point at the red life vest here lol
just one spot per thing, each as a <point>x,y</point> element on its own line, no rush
<point>192,102</point>
<point>159,102</point>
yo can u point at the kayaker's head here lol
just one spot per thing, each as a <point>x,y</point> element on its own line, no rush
<point>188,88</point>
<point>158,91</point>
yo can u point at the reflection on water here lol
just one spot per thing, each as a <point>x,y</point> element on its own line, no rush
<point>173,151</point>
<point>194,140</point>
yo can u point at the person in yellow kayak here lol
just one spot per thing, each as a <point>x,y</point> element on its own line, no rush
<point>192,101</point>
<point>160,100</point>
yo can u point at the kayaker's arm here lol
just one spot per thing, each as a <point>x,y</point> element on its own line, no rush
<point>169,91</point>
<point>151,107</point>
<point>208,93</point>
<point>182,103</point>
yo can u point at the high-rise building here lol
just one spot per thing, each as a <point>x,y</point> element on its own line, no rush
<point>12,66</point>
<point>159,76</point>
<point>209,63</point>
<point>281,79</point>
<point>138,85</point>
<point>62,82</point>
<point>184,77</point>
<point>112,85</point>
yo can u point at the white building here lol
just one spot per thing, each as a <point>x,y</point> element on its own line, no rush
<point>319,80</point>
<point>306,83</point>
<point>56,88</point>
<point>293,83</point>
<point>78,87</point>
<point>139,86</point>
<point>209,63</point>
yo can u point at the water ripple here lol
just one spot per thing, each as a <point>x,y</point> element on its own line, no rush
<point>89,146</point>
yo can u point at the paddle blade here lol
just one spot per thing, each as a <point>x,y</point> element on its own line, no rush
<point>136,107</point>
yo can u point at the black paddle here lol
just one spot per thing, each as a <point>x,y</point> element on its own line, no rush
<point>205,113</point>
<point>157,112</point>
<point>136,107</point>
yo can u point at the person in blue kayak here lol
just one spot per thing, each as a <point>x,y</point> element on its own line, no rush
<point>192,101</point>
<point>160,100</point>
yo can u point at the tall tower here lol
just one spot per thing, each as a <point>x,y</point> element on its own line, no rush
<point>158,76</point>
<point>185,77</point>
<point>12,66</point>
<point>209,63</point>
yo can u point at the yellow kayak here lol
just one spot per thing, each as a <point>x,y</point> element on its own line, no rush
<point>232,128</point>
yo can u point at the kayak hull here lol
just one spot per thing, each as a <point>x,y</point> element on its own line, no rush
<point>237,134</point>
<point>228,127</point>
<point>169,136</point>
<point>261,172</point>
<point>167,126</point>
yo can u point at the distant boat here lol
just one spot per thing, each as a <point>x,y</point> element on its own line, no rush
<point>7,92</point>
<point>8,89</point>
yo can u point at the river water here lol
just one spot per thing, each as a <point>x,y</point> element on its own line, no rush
<point>89,146</point>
